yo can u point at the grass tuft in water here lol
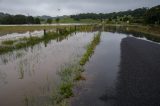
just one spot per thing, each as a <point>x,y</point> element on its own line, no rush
<point>68,76</point>
<point>8,42</point>
<point>90,49</point>
<point>72,73</point>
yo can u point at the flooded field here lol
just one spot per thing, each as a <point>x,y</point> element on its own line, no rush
<point>29,75</point>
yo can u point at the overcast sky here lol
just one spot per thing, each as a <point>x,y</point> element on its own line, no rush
<point>67,7</point>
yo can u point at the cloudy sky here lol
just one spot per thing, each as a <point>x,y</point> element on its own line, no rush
<point>67,7</point>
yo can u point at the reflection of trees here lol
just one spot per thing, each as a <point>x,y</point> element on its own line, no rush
<point>129,31</point>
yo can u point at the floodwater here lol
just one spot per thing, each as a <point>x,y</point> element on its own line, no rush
<point>31,73</point>
<point>101,72</point>
<point>12,36</point>
<point>121,73</point>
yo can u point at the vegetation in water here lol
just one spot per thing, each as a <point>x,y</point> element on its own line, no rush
<point>69,74</point>
<point>8,42</point>
<point>90,49</point>
<point>72,73</point>
<point>10,45</point>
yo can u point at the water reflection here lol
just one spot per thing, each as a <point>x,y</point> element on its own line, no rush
<point>3,79</point>
<point>101,73</point>
<point>28,76</point>
<point>12,36</point>
<point>128,31</point>
<point>11,56</point>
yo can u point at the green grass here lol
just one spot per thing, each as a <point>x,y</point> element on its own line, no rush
<point>90,49</point>
<point>8,42</point>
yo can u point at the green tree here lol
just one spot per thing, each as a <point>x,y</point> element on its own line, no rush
<point>37,21</point>
<point>20,19</point>
<point>57,20</point>
<point>152,16</point>
<point>49,20</point>
<point>30,20</point>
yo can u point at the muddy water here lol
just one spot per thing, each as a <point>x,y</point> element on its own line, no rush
<point>31,73</point>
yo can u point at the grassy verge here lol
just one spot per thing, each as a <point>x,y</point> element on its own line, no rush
<point>90,49</point>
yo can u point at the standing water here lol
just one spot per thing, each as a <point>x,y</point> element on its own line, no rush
<point>30,74</point>
<point>101,72</point>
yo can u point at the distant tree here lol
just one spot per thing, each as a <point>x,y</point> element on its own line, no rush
<point>110,19</point>
<point>126,18</point>
<point>49,20</point>
<point>30,20</point>
<point>7,20</point>
<point>57,20</point>
<point>37,21</point>
<point>152,16</point>
<point>20,19</point>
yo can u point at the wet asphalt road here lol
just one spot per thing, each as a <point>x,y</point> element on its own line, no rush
<point>139,75</point>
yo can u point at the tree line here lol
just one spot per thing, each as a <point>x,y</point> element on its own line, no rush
<point>18,19</point>
<point>140,15</point>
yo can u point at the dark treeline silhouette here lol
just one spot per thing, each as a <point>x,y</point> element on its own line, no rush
<point>135,13</point>
<point>18,19</point>
<point>140,15</point>
<point>152,16</point>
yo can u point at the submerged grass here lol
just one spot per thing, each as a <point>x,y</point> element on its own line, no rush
<point>90,49</point>
<point>72,73</point>
<point>68,76</point>
<point>8,42</point>
<point>10,45</point>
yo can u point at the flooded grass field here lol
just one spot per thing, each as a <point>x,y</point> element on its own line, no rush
<point>84,64</point>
